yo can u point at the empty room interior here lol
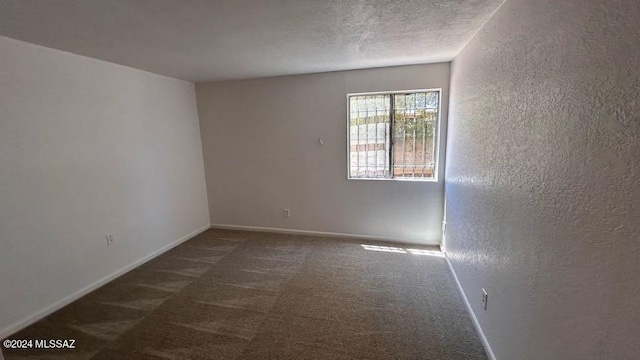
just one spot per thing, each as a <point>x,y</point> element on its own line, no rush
<point>341,179</point>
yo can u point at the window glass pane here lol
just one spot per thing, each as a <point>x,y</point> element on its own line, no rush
<point>369,136</point>
<point>415,121</point>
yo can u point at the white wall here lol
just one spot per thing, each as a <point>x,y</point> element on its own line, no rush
<point>88,148</point>
<point>261,151</point>
<point>543,191</point>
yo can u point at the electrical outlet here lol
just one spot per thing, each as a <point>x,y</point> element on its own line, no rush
<point>286,213</point>
<point>110,240</point>
<point>485,298</point>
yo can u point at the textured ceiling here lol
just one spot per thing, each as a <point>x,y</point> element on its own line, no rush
<point>201,40</point>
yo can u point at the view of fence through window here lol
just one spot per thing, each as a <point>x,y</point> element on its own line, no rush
<point>393,135</point>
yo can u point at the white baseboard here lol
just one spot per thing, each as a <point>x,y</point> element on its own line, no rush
<point>474,319</point>
<point>11,329</point>
<point>315,233</point>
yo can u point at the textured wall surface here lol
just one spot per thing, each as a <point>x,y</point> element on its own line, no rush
<point>201,40</point>
<point>543,196</point>
<point>88,148</point>
<point>262,154</point>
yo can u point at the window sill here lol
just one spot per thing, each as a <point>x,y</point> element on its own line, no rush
<point>396,179</point>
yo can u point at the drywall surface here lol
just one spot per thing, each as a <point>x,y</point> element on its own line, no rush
<point>88,148</point>
<point>543,196</point>
<point>262,154</point>
<point>224,40</point>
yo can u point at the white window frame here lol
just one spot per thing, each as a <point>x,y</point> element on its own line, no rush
<point>436,148</point>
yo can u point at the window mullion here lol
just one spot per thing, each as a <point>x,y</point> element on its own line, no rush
<point>391,134</point>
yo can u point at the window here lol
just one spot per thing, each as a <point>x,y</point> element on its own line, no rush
<point>393,135</point>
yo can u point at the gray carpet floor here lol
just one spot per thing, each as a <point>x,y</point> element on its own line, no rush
<point>248,295</point>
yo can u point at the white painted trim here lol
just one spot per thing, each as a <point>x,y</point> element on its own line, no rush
<point>11,329</point>
<point>315,233</point>
<point>474,319</point>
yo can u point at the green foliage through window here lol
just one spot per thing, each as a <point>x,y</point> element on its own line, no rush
<point>393,135</point>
